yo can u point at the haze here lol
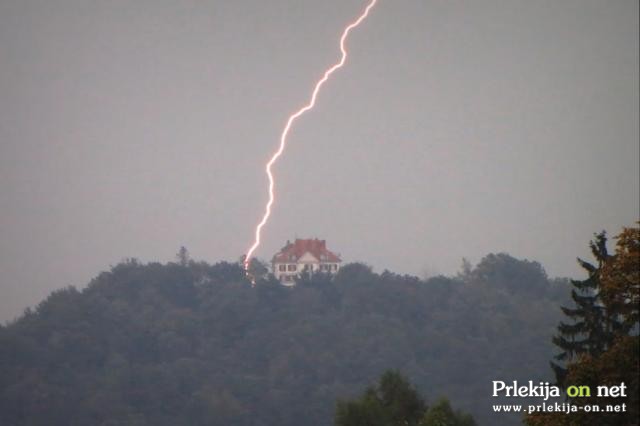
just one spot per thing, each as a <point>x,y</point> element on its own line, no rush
<point>456,129</point>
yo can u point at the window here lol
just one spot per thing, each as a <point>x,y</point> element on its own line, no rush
<point>291,267</point>
<point>282,268</point>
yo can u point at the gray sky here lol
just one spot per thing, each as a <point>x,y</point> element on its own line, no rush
<point>457,128</point>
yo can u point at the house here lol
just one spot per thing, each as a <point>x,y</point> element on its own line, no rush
<point>303,256</point>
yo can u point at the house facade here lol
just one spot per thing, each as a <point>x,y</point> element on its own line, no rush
<point>303,256</point>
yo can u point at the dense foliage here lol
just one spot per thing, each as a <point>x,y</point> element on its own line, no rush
<point>607,346</point>
<point>189,343</point>
<point>591,327</point>
<point>394,401</point>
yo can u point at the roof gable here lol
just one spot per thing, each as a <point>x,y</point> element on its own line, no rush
<point>308,257</point>
<point>294,252</point>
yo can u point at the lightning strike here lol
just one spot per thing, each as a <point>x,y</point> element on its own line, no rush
<point>287,128</point>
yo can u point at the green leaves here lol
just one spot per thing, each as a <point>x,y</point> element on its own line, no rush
<point>394,401</point>
<point>600,347</point>
<point>192,343</point>
<point>441,414</point>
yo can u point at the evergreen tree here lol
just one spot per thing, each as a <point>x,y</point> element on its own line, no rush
<point>615,359</point>
<point>591,329</point>
<point>183,256</point>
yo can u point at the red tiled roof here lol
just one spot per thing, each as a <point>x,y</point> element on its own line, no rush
<point>293,252</point>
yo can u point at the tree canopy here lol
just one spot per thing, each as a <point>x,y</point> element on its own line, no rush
<point>610,355</point>
<point>394,401</point>
<point>190,343</point>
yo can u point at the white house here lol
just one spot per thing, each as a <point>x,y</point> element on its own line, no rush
<point>303,256</point>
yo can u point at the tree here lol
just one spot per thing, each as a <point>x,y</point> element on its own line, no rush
<point>590,331</point>
<point>393,402</point>
<point>620,291</point>
<point>619,364</point>
<point>441,414</point>
<point>183,256</point>
<point>166,344</point>
<point>367,411</point>
<point>616,359</point>
<point>257,268</point>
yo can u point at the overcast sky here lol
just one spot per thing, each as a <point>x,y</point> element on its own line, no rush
<point>456,129</point>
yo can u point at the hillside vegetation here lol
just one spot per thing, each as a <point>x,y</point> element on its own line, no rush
<point>190,343</point>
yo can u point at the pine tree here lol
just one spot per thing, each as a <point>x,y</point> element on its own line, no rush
<point>183,256</point>
<point>608,348</point>
<point>593,328</point>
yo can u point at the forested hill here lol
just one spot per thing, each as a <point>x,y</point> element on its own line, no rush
<point>195,344</point>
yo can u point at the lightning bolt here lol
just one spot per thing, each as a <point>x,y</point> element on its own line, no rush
<point>290,121</point>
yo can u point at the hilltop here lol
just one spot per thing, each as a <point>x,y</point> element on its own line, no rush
<point>191,343</point>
